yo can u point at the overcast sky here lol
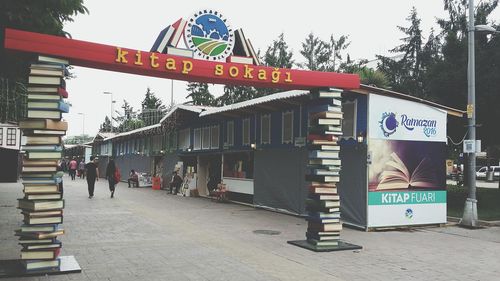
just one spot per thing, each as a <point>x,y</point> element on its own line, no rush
<point>371,26</point>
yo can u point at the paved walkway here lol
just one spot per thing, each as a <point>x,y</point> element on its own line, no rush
<point>145,234</point>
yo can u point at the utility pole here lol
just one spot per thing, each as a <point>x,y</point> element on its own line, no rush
<point>111,113</point>
<point>470,210</point>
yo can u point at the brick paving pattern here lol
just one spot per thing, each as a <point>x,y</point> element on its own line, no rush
<point>145,234</point>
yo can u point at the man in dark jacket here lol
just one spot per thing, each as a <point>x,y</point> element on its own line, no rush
<point>92,175</point>
<point>175,183</point>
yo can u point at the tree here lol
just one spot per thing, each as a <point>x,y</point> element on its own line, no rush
<point>78,139</point>
<point>152,108</point>
<point>405,71</point>
<point>316,52</point>
<point>127,120</point>
<point>277,55</point>
<point>372,77</point>
<point>234,94</point>
<point>325,55</point>
<point>447,76</point>
<point>106,125</point>
<point>199,94</point>
<point>337,47</point>
<point>44,16</point>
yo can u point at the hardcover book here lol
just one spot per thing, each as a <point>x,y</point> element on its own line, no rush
<point>163,39</point>
<point>46,59</point>
<point>44,114</point>
<point>37,265</point>
<point>42,205</point>
<point>179,26</point>
<point>44,124</point>
<point>40,235</point>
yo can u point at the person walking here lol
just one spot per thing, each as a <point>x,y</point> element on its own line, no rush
<point>81,169</point>
<point>92,175</point>
<point>110,175</point>
<point>73,165</point>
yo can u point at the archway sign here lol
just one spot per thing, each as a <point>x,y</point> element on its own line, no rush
<point>213,52</point>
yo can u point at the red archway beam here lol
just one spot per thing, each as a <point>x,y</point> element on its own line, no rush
<point>99,56</point>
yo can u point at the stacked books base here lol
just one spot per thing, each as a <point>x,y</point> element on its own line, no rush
<point>42,204</point>
<point>323,170</point>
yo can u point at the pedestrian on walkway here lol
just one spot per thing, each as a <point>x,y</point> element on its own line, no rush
<point>60,169</point>
<point>175,183</point>
<point>73,165</point>
<point>81,169</point>
<point>92,175</point>
<point>111,172</point>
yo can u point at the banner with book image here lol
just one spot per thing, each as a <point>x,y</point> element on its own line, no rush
<point>406,183</point>
<point>397,119</point>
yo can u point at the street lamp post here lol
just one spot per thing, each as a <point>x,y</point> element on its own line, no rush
<point>470,210</point>
<point>111,115</point>
<point>83,123</point>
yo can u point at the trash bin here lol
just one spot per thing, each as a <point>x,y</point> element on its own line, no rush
<point>489,176</point>
<point>156,183</point>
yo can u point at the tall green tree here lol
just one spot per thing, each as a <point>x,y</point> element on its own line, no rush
<point>106,125</point>
<point>447,78</point>
<point>405,70</point>
<point>199,94</point>
<point>152,108</point>
<point>127,119</point>
<point>338,47</point>
<point>316,52</point>
<point>278,54</point>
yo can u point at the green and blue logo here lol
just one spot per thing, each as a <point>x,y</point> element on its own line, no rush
<point>209,35</point>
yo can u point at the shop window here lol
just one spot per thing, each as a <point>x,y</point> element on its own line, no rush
<point>11,136</point>
<point>246,131</point>
<point>205,139</point>
<point>1,136</point>
<point>197,139</point>
<point>238,165</point>
<point>287,127</point>
<point>184,141</point>
<point>215,137</point>
<point>230,133</point>
<point>349,122</point>
<point>265,129</point>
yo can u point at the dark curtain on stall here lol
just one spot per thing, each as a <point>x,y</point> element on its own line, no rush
<point>279,179</point>
<point>353,183</point>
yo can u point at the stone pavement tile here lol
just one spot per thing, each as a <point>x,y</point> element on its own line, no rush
<point>149,235</point>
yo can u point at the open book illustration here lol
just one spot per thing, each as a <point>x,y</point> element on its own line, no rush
<point>397,176</point>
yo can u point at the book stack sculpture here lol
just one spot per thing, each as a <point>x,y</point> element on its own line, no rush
<point>323,170</point>
<point>42,205</point>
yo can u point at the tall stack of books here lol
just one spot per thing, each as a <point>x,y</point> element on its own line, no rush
<point>323,170</point>
<point>42,205</point>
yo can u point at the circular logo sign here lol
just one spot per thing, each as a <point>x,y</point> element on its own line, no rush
<point>388,124</point>
<point>208,34</point>
<point>409,213</point>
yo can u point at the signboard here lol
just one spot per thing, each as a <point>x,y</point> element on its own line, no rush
<point>407,173</point>
<point>119,59</point>
<point>396,119</point>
